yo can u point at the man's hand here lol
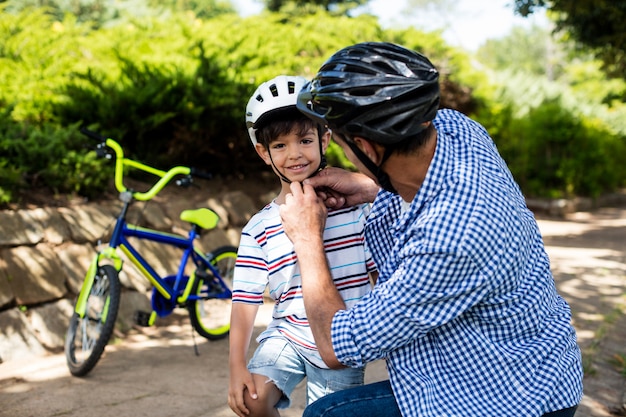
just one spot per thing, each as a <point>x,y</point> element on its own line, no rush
<point>340,188</point>
<point>303,214</point>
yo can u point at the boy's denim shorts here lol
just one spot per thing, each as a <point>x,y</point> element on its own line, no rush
<point>276,359</point>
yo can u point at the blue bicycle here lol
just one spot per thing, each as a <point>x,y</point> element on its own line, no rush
<point>205,292</point>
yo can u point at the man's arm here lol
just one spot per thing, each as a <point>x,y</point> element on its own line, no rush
<point>304,218</point>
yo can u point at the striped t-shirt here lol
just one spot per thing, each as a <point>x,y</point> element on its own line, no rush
<point>266,260</point>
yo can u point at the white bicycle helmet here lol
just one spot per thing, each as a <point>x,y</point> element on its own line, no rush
<point>274,96</point>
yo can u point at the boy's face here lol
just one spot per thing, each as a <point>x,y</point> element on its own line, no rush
<point>295,156</point>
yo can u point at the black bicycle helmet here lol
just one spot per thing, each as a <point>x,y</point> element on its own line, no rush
<point>381,91</point>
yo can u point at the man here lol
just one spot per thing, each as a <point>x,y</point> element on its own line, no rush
<point>465,310</point>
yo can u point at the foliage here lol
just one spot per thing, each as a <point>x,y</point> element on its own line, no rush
<point>586,78</point>
<point>35,55</point>
<point>171,121</point>
<point>336,157</point>
<point>106,12</point>
<point>180,96</point>
<point>552,147</point>
<point>598,25</point>
<point>570,156</point>
<point>52,157</point>
<point>172,88</point>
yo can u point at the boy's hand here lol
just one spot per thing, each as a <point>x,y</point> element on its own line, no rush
<point>240,381</point>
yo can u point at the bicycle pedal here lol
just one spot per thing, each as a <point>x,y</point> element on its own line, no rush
<point>144,318</point>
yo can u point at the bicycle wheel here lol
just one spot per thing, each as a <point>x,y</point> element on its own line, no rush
<point>210,316</point>
<point>87,336</point>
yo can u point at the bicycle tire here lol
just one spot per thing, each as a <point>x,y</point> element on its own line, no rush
<point>210,316</point>
<point>87,337</point>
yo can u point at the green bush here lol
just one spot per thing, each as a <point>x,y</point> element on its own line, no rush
<point>553,152</point>
<point>50,157</point>
<point>172,90</point>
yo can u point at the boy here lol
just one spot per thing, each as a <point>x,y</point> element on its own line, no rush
<point>294,147</point>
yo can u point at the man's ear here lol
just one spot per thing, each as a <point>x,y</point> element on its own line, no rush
<point>373,150</point>
<point>263,153</point>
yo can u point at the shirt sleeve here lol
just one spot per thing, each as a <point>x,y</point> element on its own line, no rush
<point>251,272</point>
<point>426,290</point>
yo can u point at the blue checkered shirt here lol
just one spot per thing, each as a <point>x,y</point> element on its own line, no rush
<point>465,309</point>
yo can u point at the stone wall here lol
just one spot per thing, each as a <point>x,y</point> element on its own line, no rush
<point>45,252</point>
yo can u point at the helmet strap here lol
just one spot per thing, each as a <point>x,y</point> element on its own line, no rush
<point>320,135</point>
<point>381,176</point>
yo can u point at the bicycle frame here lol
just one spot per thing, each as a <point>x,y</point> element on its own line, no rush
<point>119,239</point>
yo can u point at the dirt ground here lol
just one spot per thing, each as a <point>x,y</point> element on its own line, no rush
<point>154,372</point>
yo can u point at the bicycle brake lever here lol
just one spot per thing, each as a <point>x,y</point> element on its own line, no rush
<point>185,181</point>
<point>103,152</point>
<point>201,174</point>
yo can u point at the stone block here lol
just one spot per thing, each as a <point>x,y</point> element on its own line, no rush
<point>6,292</point>
<point>17,228</point>
<point>221,211</point>
<point>234,235</point>
<point>17,338</point>
<point>131,278</point>
<point>55,230</point>
<point>214,239</point>
<point>75,260</point>
<point>163,258</point>
<point>49,323</point>
<point>89,222</point>
<point>149,214</point>
<point>35,274</point>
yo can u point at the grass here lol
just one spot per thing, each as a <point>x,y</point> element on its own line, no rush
<point>590,353</point>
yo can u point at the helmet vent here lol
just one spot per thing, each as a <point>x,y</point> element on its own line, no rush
<point>384,67</point>
<point>363,92</point>
<point>274,90</point>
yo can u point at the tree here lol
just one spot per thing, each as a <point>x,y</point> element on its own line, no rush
<point>595,24</point>
<point>337,6</point>
<point>530,50</point>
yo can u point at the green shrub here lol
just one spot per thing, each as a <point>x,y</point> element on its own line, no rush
<point>47,156</point>
<point>555,153</point>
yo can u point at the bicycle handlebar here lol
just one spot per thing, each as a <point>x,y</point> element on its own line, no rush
<point>120,162</point>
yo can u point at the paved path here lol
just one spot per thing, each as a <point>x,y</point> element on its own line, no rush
<point>155,373</point>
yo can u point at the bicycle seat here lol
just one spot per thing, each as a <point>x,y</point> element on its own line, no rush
<point>203,217</point>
